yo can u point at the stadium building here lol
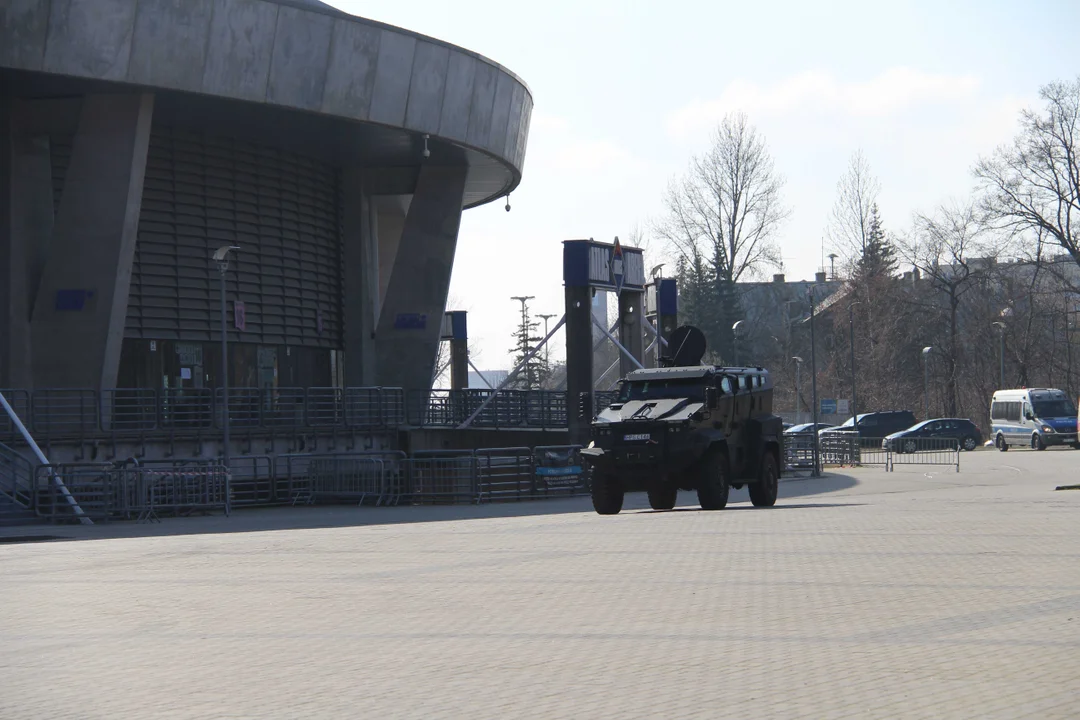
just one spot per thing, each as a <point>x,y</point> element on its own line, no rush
<point>336,153</point>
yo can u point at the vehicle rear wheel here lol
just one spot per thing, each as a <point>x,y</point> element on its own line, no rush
<point>970,444</point>
<point>712,490</point>
<point>999,441</point>
<point>607,494</point>
<point>1037,442</point>
<point>763,492</point>
<point>662,497</point>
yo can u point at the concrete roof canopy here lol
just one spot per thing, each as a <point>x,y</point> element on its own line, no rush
<point>378,89</point>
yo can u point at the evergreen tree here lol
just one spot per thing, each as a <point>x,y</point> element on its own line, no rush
<point>535,372</point>
<point>878,258</point>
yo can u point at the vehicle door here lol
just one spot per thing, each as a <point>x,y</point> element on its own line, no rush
<point>1027,416</point>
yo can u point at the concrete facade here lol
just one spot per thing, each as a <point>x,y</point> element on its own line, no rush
<point>295,79</point>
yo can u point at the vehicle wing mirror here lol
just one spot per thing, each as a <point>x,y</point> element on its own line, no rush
<point>711,398</point>
<point>1028,415</point>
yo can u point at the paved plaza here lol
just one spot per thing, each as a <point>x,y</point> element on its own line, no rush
<point>920,593</point>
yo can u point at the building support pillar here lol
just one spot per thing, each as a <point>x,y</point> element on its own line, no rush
<point>631,330</point>
<point>77,325</point>
<point>410,320</point>
<point>360,257</point>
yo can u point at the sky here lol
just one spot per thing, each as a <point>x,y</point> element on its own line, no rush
<point>626,93</point>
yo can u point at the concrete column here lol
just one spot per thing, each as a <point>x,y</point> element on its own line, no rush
<point>410,322</point>
<point>579,361</point>
<point>631,329</point>
<point>360,256</point>
<point>27,217</point>
<point>77,326</point>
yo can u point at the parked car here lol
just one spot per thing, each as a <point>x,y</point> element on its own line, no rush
<point>963,431</point>
<point>872,426</point>
<point>806,428</point>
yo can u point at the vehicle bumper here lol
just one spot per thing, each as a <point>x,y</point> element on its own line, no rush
<point>1059,438</point>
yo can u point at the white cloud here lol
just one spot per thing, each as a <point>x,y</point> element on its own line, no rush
<point>895,90</point>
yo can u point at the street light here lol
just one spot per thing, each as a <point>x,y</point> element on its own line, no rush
<point>816,472</point>
<point>926,381</point>
<point>798,392</point>
<point>735,340</point>
<point>1001,326</point>
<point>221,257</point>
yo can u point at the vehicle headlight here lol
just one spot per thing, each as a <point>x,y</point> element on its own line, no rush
<point>1047,428</point>
<point>592,443</point>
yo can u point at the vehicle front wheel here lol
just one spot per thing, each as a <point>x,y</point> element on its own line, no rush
<point>1037,442</point>
<point>909,446</point>
<point>763,492</point>
<point>712,490</point>
<point>607,494</point>
<point>970,444</point>
<point>999,441</point>
<point>662,497</point>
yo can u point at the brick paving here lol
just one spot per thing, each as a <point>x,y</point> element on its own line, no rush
<point>920,593</point>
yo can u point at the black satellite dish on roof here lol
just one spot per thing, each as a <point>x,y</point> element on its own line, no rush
<point>686,347</point>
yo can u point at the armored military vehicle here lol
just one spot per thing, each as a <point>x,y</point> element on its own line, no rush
<point>687,426</point>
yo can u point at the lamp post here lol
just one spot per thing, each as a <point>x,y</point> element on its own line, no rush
<point>926,381</point>
<point>221,257</point>
<point>1001,327</point>
<point>735,340</point>
<point>816,472</point>
<point>798,389</point>
<point>851,330</point>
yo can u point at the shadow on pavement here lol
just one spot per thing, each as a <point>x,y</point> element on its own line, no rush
<point>339,516</point>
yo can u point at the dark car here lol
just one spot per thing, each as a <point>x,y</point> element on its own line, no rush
<point>962,430</point>
<point>872,426</point>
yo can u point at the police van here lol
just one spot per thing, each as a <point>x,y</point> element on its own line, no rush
<point>1032,417</point>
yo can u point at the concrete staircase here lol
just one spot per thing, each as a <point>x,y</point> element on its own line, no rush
<point>12,514</point>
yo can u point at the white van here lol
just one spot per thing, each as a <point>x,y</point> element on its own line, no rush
<point>1032,417</point>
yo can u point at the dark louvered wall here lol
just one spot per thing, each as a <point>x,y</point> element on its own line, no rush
<point>281,209</point>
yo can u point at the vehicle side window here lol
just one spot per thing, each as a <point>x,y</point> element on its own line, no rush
<point>725,385</point>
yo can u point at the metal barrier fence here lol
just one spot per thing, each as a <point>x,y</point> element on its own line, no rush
<point>925,451</point>
<point>109,491</point>
<point>350,477</point>
<point>16,478</point>
<point>62,413</point>
<point>849,449</point>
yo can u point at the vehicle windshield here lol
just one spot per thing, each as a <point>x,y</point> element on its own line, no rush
<point>1053,408</point>
<point>693,388</point>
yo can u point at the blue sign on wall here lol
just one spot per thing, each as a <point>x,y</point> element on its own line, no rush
<point>72,300</point>
<point>828,407</point>
<point>410,321</point>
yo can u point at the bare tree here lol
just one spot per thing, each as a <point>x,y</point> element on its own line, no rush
<point>1034,183</point>
<point>952,250</point>
<point>721,217</point>
<point>850,224</point>
<point>728,204</point>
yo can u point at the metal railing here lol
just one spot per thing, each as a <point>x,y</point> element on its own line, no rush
<point>57,414</point>
<point>508,409</point>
